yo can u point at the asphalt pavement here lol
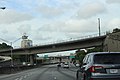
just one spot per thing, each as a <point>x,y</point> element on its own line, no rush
<point>47,72</point>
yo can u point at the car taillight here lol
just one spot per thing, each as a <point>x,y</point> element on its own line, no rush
<point>95,68</point>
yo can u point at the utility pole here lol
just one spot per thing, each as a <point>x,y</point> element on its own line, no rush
<point>99,26</point>
<point>11,54</point>
<point>11,44</point>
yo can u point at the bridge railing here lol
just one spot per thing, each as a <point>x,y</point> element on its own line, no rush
<point>73,39</point>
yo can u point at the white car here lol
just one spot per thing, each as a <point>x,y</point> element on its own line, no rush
<point>65,65</point>
<point>77,65</point>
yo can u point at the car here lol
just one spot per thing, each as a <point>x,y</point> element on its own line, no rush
<point>59,65</point>
<point>100,66</point>
<point>66,65</point>
<point>77,64</point>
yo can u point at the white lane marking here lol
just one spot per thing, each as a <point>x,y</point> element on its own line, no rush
<point>29,74</point>
<point>55,78</point>
<point>25,76</point>
<point>21,78</point>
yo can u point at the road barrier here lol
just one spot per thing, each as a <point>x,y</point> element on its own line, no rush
<point>14,69</point>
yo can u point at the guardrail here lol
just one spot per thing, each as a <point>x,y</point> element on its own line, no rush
<point>14,69</point>
<point>73,39</point>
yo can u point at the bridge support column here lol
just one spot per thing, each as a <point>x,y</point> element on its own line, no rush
<point>32,58</point>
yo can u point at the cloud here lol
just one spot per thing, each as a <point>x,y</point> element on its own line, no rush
<point>50,11</point>
<point>56,8</point>
<point>113,1</point>
<point>114,23</point>
<point>11,16</point>
<point>4,31</point>
<point>46,37</point>
<point>70,26</point>
<point>44,27</point>
<point>79,26</point>
<point>60,30</point>
<point>90,10</point>
<point>55,26</point>
<point>25,28</point>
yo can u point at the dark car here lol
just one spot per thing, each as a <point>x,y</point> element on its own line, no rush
<point>59,64</point>
<point>100,66</point>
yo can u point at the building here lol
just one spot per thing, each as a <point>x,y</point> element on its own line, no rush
<point>26,42</point>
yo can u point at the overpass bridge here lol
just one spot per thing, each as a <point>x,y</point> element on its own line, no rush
<point>110,42</point>
<point>57,47</point>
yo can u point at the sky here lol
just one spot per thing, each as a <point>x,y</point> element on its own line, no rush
<point>49,21</point>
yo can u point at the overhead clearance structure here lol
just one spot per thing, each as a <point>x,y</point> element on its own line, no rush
<point>109,42</point>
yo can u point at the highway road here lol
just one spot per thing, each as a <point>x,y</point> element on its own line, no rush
<point>47,72</point>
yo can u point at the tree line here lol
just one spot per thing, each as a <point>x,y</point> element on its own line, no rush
<point>4,46</point>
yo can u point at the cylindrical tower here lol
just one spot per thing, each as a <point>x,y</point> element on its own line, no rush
<point>26,42</point>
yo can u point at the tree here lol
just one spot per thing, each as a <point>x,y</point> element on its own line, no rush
<point>80,55</point>
<point>116,30</point>
<point>96,49</point>
<point>5,46</point>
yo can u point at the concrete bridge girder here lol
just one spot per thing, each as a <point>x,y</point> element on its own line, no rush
<point>109,42</point>
<point>72,45</point>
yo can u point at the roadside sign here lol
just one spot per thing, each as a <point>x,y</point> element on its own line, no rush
<point>72,56</point>
<point>45,56</point>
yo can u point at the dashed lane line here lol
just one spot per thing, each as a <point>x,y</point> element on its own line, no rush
<point>23,77</point>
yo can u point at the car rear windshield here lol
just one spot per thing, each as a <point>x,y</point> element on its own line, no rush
<point>107,58</point>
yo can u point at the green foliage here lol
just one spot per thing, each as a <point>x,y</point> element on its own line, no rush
<point>80,55</point>
<point>4,46</point>
<point>96,49</point>
<point>116,30</point>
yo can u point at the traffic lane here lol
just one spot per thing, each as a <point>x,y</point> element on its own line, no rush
<point>48,72</point>
<point>68,73</point>
<point>22,75</point>
<point>54,73</point>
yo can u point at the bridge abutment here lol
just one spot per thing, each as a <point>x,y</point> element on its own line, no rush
<point>112,42</point>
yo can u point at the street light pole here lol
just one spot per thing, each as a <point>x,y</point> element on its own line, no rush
<point>11,49</point>
<point>99,26</point>
<point>11,43</point>
<point>11,54</point>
